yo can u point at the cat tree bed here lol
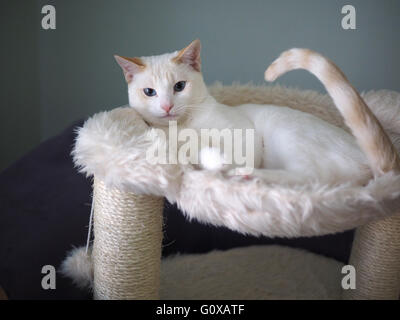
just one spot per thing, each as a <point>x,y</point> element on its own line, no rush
<point>128,196</point>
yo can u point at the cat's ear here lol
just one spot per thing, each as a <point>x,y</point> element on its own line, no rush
<point>190,55</point>
<point>130,66</point>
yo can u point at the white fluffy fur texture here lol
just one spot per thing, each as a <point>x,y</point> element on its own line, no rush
<point>78,266</point>
<point>258,272</point>
<point>112,146</point>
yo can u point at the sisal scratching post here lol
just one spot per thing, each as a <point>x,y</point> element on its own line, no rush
<point>376,258</point>
<point>127,244</point>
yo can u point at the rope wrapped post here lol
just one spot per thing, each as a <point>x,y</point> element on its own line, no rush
<point>376,258</point>
<point>127,244</point>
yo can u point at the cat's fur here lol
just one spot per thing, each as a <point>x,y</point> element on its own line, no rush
<point>290,146</point>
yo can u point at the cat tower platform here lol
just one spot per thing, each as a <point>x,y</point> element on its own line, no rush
<point>128,193</point>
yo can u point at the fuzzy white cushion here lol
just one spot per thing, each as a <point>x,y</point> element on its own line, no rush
<point>112,146</point>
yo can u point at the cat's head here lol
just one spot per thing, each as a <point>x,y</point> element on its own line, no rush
<point>165,87</point>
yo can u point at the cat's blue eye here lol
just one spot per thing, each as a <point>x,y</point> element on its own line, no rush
<point>179,86</point>
<point>149,92</point>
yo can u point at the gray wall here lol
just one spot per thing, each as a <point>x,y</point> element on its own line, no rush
<point>78,76</point>
<point>19,88</point>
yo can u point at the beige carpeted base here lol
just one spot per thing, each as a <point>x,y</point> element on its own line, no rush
<point>258,272</point>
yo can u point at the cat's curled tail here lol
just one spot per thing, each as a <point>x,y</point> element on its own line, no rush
<point>369,133</point>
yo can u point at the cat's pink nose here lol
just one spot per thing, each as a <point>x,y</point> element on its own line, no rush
<point>167,107</point>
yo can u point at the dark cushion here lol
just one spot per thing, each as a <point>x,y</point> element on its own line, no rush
<point>45,206</point>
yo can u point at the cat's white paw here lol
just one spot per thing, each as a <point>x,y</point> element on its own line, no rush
<point>211,159</point>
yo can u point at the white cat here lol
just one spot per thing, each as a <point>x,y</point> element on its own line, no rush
<point>290,146</point>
